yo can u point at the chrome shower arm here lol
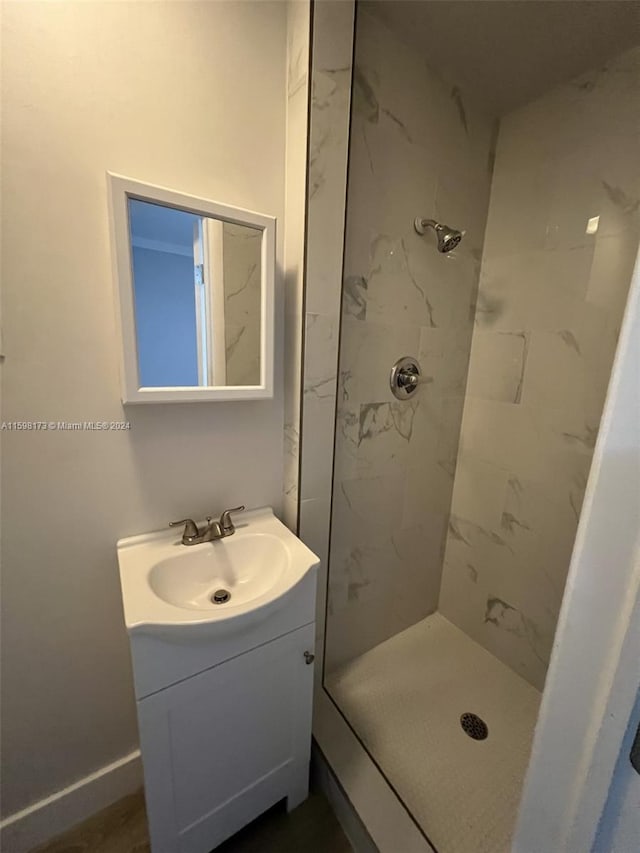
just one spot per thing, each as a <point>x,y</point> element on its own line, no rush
<point>421,224</point>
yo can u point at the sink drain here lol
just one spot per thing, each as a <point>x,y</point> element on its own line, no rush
<point>220,596</point>
<point>474,726</point>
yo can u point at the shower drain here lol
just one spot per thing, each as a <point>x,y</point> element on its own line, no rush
<point>474,726</point>
<point>220,596</point>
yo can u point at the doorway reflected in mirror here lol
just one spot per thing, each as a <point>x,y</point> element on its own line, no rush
<point>197,291</point>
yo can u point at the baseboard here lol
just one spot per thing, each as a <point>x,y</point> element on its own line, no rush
<point>47,818</point>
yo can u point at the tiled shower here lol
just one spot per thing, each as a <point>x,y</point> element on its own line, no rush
<point>450,518</point>
<point>466,498</point>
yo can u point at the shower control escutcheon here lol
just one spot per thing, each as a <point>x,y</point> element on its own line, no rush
<point>405,377</point>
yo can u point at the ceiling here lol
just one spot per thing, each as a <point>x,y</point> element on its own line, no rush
<point>161,224</point>
<point>504,53</point>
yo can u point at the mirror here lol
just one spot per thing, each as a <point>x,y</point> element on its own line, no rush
<point>195,285</point>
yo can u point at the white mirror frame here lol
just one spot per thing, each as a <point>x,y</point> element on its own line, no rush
<point>121,189</point>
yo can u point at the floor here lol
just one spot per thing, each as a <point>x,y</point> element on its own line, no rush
<point>405,697</point>
<point>122,828</point>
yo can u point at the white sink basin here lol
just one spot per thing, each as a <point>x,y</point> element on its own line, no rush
<point>215,585</point>
<point>246,567</point>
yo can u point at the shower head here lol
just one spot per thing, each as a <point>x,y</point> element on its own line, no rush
<point>448,238</point>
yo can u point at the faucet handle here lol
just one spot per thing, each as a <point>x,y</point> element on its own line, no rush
<point>225,520</point>
<point>190,528</point>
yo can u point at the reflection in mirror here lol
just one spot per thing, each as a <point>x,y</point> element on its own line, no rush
<point>197,294</point>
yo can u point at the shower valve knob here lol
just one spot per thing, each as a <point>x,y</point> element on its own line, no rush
<point>405,377</point>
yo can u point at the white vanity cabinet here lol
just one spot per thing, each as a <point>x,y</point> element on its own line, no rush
<point>226,744</point>
<point>223,688</point>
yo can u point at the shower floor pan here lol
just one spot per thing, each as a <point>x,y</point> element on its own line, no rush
<point>405,699</point>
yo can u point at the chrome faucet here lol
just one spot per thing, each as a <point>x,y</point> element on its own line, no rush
<point>213,530</point>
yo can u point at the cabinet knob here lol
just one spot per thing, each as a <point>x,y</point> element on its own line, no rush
<point>309,657</point>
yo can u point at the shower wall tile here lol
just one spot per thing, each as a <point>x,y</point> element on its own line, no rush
<point>427,490</point>
<point>297,47</point>
<point>575,368</point>
<point>327,169</point>
<point>561,241</point>
<point>327,164</point>
<point>540,296</point>
<point>364,508</point>
<point>369,349</point>
<point>376,583</point>
<point>298,29</point>
<point>315,514</point>
<point>542,446</point>
<point>416,149</point>
<point>320,352</point>
<point>317,449</point>
<point>497,366</point>
<point>330,105</point>
<point>474,478</point>
<point>292,371</point>
<point>384,436</point>
<point>444,356</point>
<point>290,512</point>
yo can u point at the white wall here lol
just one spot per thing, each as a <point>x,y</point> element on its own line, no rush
<point>593,677</point>
<point>191,96</point>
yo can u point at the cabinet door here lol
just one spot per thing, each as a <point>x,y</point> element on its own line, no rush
<point>224,745</point>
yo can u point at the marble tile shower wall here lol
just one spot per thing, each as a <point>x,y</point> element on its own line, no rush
<point>332,51</point>
<point>298,24</point>
<point>416,149</point>
<point>553,286</point>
